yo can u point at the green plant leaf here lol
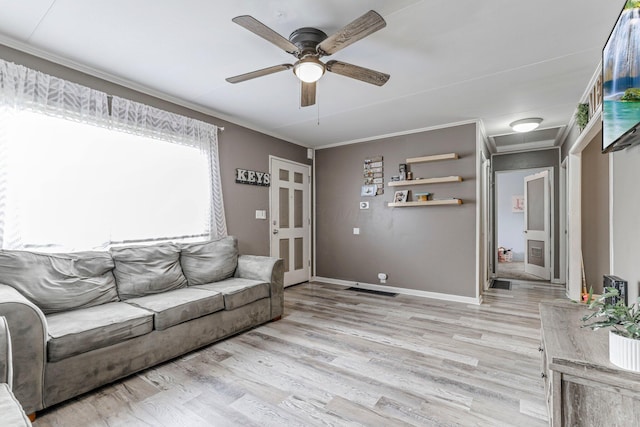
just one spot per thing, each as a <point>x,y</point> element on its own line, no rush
<point>623,319</point>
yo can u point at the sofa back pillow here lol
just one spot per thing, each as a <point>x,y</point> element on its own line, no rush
<point>60,282</point>
<point>146,270</point>
<point>208,262</point>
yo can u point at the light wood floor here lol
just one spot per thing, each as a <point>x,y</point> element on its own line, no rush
<point>342,358</point>
<point>515,270</point>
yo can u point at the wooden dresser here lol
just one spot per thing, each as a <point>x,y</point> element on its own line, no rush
<point>582,387</point>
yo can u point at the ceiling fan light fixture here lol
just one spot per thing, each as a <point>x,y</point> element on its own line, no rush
<point>309,70</point>
<point>526,125</point>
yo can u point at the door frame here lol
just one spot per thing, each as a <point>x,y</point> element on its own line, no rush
<point>309,201</point>
<point>495,217</point>
<point>564,233</point>
<point>486,215</point>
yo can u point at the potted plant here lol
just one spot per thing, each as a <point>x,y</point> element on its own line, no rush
<point>582,116</point>
<point>624,321</point>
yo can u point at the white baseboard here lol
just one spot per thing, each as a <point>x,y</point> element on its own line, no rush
<point>403,291</point>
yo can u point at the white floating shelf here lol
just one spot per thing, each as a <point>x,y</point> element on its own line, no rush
<point>425,203</point>
<point>435,158</point>
<point>426,181</point>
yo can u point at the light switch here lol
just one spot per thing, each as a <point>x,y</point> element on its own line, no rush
<point>261,214</point>
<point>356,230</point>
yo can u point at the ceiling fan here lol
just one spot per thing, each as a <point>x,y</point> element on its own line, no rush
<point>308,45</point>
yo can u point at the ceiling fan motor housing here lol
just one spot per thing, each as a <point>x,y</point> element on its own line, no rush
<point>306,39</point>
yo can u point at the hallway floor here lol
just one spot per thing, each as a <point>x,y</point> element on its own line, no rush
<point>514,270</point>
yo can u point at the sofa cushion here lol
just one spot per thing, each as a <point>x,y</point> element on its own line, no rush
<point>238,292</point>
<point>146,270</point>
<point>209,262</point>
<point>78,331</point>
<point>10,409</point>
<point>175,307</point>
<point>60,282</point>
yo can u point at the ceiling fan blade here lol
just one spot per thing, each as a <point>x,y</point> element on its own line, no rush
<point>259,73</point>
<point>359,73</point>
<point>308,94</point>
<point>367,24</point>
<point>259,29</point>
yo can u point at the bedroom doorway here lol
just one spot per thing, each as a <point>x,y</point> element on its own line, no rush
<point>514,247</point>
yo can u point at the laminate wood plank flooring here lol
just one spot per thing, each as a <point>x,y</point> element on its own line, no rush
<point>344,358</point>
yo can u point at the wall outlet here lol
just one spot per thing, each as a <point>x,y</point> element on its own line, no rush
<point>382,277</point>
<point>356,230</point>
<point>364,205</point>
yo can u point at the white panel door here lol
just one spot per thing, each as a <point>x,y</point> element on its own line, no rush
<point>290,218</point>
<point>537,218</point>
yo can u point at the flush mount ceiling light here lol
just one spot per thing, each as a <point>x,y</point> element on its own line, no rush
<point>309,69</point>
<point>526,125</point>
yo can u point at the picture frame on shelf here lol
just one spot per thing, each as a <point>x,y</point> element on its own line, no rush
<point>401,196</point>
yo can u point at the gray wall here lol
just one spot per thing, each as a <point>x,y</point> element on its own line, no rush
<point>239,147</point>
<point>531,160</point>
<point>427,248</point>
<point>626,217</point>
<point>595,213</point>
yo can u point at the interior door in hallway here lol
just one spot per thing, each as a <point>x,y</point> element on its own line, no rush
<point>290,218</point>
<point>537,213</point>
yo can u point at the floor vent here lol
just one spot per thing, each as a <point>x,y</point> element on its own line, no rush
<point>501,284</point>
<point>371,291</point>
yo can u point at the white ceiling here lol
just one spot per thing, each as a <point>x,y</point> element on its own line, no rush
<point>450,61</point>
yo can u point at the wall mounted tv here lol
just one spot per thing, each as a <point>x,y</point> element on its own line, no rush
<point>621,82</point>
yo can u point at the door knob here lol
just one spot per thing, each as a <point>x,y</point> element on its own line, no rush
<point>275,231</point>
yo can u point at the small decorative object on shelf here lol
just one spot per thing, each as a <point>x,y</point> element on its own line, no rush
<point>402,168</point>
<point>421,197</point>
<point>401,196</point>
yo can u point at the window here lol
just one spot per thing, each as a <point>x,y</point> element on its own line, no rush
<point>80,170</point>
<point>75,186</point>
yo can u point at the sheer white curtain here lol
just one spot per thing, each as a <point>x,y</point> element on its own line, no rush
<point>155,123</point>
<point>23,89</point>
<point>74,178</point>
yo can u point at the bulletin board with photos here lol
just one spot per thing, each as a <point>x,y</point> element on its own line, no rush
<point>373,172</point>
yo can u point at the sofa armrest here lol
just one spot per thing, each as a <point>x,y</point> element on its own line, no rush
<point>267,269</point>
<point>6,367</point>
<point>28,343</point>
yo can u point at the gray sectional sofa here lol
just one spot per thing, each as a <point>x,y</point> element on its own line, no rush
<point>82,320</point>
